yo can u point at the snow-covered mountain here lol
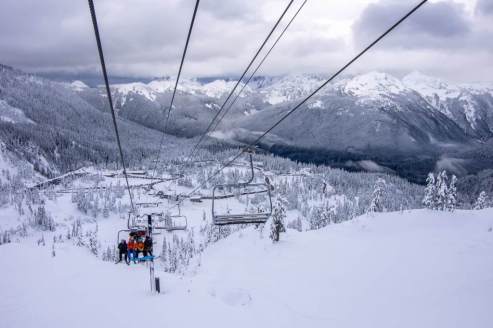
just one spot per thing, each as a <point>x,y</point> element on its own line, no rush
<point>373,116</point>
<point>469,106</point>
<point>48,125</point>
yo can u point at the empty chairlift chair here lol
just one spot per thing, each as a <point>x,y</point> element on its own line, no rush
<point>175,222</point>
<point>253,193</point>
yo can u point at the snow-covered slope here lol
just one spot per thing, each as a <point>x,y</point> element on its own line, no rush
<point>14,169</point>
<point>433,89</point>
<point>49,125</point>
<point>12,115</point>
<point>413,269</point>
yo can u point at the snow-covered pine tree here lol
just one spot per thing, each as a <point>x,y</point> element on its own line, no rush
<point>376,202</point>
<point>173,255</point>
<point>328,214</point>
<point>92,241</point>
<point>315,218</point>
<point>430,192</point>
<point>43,219</point>
<point>106,211</point>
<point>278,216</point>
<point>451,201</point>
<point>441,191</point>
<point>481,202</point>
<point>164,253</point>
<point>107,255</point>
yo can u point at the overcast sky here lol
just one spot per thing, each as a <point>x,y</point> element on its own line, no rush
<point>145,38</point>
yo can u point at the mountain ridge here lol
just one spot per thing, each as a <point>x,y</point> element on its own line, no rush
<point>374,116</point>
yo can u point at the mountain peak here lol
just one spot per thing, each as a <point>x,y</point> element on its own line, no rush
<point>418,78</point>
<point>374,84</point>
<point>78,85</point>
<point>432,88</point>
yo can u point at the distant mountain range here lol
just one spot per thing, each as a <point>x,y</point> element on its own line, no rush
<point>469,106</point>
<point>372,121</point>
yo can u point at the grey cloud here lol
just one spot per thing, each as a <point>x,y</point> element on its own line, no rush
<point>435,25</point>
<point>484,7</point>
<point>145,38</point>
<point>306,45</point>
<point>231,9</point>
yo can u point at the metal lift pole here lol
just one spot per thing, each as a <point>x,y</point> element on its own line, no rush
<point>151,264</point>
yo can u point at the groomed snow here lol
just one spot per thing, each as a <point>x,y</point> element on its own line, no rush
<point>413,269</point>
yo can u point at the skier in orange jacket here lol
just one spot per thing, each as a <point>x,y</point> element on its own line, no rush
<point>132,247</point>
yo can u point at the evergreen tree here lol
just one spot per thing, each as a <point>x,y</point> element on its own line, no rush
<point>106,211</point>
<point>92,241</point>
<point>315,218</point>
<point>441,191</point>
<point>451,201</point>
<point>164,253</point>
<point>376,202</point>
<point>481,202</point>
<point>328,214</point>
<point>430,192</point>
<point>277,223</point>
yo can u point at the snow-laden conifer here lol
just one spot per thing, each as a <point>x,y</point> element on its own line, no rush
<point>278,217</point>
<point>481,202</point>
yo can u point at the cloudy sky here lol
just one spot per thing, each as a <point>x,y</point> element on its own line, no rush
<point>144,38</point>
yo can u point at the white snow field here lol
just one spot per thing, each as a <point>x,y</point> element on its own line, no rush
<point>417,268</point>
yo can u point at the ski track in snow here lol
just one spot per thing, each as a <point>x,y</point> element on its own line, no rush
<point>418,268</point>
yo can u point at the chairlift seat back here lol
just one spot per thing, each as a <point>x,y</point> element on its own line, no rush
<point>256,214</point>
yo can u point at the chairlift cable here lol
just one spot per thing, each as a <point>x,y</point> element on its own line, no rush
<point>110,100</point>
<point>176,86</point>
<point>240,79</point>
<point>259,65</point>
<point>339,72</point>
<point>342,69</point>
